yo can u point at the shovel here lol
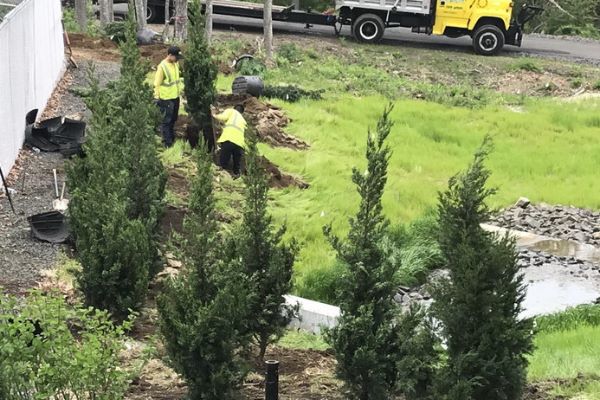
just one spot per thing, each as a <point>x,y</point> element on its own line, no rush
<point>59,204</point>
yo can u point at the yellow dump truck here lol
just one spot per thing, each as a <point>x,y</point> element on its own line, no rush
<point>490,23</point>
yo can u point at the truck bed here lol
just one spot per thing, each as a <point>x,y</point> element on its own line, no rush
<point>406,6</point>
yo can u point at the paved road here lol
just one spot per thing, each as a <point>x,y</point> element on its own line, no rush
<point>588,51</point>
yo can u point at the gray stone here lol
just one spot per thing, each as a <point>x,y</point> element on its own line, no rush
<point>522,202</point>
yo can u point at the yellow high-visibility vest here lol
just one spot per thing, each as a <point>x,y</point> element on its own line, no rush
<point>235,125</point>
<point>172,84</point>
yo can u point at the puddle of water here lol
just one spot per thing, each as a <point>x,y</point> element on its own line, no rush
<point>553,295</point>
<point>567,248</point>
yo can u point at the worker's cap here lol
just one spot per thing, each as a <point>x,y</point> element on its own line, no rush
<point>175,51</point>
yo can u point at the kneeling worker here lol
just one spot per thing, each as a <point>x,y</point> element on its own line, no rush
<point>232,141</point>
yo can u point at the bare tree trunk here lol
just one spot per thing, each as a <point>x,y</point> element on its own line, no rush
<point>81,14</point>
<point>180,20</point>
<point>111,11</point>
<point>167,18</point>
<point>268,29</point>
<point>104,17</point>
<point>140,14</point>
<point>208,17</point>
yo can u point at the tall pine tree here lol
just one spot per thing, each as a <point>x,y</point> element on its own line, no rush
<point>379,349</point>
<point>479,303</point>
<point>267,262</point>
<point>201,311</point>
<point>200,72</point>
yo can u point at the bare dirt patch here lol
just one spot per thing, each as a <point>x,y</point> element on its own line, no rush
<point>268,120</point>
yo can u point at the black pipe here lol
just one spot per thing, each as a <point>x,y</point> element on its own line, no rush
<point>272,380</point>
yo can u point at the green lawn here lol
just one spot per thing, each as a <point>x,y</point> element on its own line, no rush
<point>549,152</point>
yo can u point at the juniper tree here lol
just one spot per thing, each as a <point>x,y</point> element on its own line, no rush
<point>479,303</point>
<point>266,261</point>
<point>200,72</point>
<point>379,349</point>
<point>201,310</point>
<point>118,189</point>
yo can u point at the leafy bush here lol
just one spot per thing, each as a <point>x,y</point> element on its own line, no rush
<point>251,66</point>
<point>572,318</point>
<point>50,350</point>
<point>321,284</point>
<point>116,31</point>
<point>580,17</point>
<point>290,93</point>
<point>290,53</point>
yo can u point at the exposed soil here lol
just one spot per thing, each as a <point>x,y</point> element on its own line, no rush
<point>268,120</point>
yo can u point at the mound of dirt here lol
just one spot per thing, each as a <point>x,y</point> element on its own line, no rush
<point>268,120</point>
<point>278,179</point>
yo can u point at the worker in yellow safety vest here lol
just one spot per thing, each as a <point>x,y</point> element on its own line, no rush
<point>168,87</point>
<point>232,140</point>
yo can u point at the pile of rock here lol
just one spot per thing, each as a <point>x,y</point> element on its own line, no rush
<point>559,221</point>
<point>580,268</point>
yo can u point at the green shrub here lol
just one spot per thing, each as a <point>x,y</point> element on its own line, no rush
<point>290,53</point>
<point>290,93</point>
<point>75,354</point>
<point>251,66</point>
<point>379,349</point>
<point>321,284</point>
<point>202,310</point>
<point>596,85</point>
<point>479,304</point>
<point>526,65</point>
<point>118,190</point>
<point>572,318</point>
<point>116,31</point>
<point>200,72</point>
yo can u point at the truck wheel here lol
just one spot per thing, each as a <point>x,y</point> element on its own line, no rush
<point>152,14</point>
<point>368,28</point>
<point>488,40</point>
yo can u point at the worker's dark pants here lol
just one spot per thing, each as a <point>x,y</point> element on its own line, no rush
<point>228,150</point>
<point>170,112</point>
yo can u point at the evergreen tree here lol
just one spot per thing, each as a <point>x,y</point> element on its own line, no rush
<point>117,190</point>
<point>379,349</point>
<point>201,310</point>
<point>479,303</point>
<point>200,72</point>
<point>267,262</point>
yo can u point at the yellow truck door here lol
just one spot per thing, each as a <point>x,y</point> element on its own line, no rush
<point>451,13</point>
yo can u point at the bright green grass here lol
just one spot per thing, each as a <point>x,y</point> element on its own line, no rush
<point>549,153</point>
<point>573,356</point>
<point>302,340</point>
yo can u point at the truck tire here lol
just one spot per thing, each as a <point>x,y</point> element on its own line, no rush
<point>152,14</point>
<point>368,28</point>
<point>488,40</point>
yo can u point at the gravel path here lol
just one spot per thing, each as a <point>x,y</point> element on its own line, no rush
<point>21,256</point>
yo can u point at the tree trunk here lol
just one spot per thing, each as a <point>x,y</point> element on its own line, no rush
<point>180,20</point>
<point>268,29</point>
<point>140,14</point>
<point>208,20</point>
<point>167,18</point>
<point>104,17</point>
<point>110,10</point>
<point>81,14</point>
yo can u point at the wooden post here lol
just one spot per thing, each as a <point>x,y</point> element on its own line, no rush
<point>268,29</point>
<point>208,17</point>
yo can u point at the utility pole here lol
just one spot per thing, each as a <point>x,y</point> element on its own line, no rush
<point>140,14</point>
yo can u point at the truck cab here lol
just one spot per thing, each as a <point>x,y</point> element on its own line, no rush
<point>490,23</point>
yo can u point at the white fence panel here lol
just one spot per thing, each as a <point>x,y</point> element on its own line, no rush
<point>31,63</point>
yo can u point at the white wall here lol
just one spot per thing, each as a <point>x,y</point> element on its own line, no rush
<point>31,63</point>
